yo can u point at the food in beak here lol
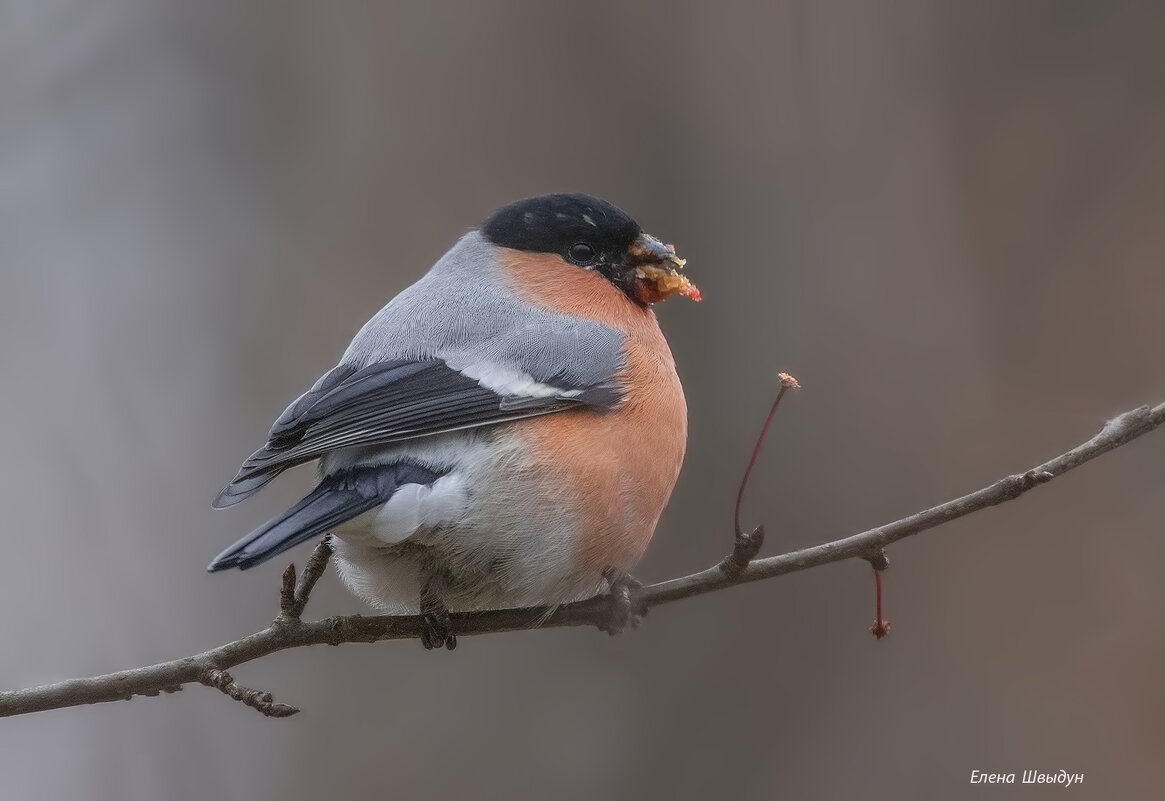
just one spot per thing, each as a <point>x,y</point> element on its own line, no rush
<point>655,277</point>
<point>654,283</point>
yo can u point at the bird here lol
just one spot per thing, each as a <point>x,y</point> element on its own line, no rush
<point>505,432</point>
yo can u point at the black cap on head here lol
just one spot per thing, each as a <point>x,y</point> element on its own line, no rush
<point>582,229</point>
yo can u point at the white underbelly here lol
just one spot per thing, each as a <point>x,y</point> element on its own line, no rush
<point>499,530</point>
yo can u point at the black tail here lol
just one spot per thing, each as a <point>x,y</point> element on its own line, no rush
<point>337,499</point>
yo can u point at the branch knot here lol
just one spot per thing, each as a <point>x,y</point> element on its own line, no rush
<point>1014,486</point>
<point>744,549</point>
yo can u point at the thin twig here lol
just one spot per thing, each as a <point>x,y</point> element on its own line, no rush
<point>746,545</point>
<point>256,699</point>
<point>317,563</point>
<point>881,625</point>
<point>287,592</point>
<point>293,633</point>
<point>787,383</point>
<point>879,562</point>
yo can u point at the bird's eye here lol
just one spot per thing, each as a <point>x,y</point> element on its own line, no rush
<point>580,253</point>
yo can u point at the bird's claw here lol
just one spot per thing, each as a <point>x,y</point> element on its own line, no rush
<point>436,627</point>
<point>435,630</point>
<point>625,606</point>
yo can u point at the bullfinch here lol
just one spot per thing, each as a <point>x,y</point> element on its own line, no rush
<point>504,433</point>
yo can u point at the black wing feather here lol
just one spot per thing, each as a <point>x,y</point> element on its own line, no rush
<point>379,404</point>
<point>337,499</point>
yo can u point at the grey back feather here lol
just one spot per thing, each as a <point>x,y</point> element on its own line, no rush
<point>463,313</point>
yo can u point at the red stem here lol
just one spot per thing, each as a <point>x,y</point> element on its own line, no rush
<point>752,461</point>
<point>881,627</point>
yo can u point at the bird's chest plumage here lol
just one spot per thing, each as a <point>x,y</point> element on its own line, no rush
<point>608,474</point>
<point>612,472</point>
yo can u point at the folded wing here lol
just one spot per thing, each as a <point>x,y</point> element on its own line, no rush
<point>389,402</point>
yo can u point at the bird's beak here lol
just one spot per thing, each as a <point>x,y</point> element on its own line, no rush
<point>649,249</point>
<point>655,275</point>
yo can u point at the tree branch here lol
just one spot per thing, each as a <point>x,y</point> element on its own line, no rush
<point>288,631</point>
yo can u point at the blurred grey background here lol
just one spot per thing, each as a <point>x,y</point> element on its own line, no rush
<point>945,219</point>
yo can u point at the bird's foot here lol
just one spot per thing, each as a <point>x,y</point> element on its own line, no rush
<point>626,607</point>
<point>436,627</point>
<point>435,632</point>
